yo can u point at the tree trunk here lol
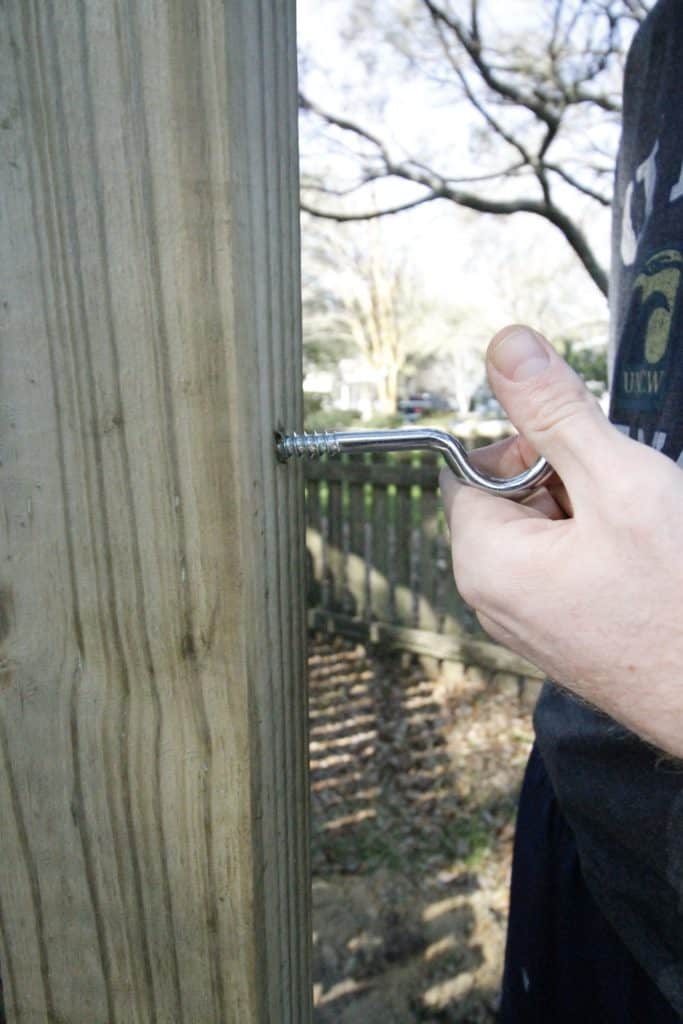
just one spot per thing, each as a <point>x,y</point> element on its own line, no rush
<point>153,795</point>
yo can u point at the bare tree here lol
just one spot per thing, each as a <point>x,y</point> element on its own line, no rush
<point>360,298</point>
<point>546,95</point>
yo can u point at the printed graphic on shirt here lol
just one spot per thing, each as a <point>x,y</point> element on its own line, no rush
<point>638,206</point>
<point>647,381</point>
<point>639,203</point>
<point>655,315</point>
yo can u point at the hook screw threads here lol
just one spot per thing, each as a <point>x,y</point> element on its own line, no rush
<point>312,445</point>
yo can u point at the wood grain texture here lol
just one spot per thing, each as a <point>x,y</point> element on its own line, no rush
<point>153,795</point>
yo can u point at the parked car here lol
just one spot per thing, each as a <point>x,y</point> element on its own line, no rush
<point>415,406</point>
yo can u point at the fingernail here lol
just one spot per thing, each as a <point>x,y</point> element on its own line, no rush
<point>519,355</point>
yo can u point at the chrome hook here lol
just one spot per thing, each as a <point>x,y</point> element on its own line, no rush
<point>412,439</point>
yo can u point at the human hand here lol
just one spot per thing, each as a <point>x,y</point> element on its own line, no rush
<point>585,578</point>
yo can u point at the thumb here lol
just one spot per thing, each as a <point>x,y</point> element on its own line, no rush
<point>550,405</point>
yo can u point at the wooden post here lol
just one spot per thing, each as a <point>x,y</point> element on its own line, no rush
<point>153,795</point>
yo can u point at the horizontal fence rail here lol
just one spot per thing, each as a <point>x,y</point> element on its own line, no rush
<point>379,563</point>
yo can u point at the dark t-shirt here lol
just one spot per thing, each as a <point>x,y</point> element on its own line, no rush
<point>623,800</point>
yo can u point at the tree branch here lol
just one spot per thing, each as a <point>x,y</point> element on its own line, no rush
<point>580,245</point>
<point>340,217</point>
<point>438,188</point>
<point>573,234</point>
<point>579,185</point>
<point>341,122</point>
<point>475,50</point>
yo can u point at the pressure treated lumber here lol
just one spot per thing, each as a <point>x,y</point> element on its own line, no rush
<point>153,797</point>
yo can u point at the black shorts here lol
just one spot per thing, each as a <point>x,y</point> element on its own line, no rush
<point>563,961</point>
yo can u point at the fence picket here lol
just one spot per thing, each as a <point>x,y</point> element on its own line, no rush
<point>403,520</point>
<point>367,567</point>
<point>313,504</point>
<point>381,601</point>
<point>442,565</point>
<point>391,567</point>
<point>415,574</point>
<point>347,602</point>
<point>356,507</point>
<point>325,583</point>
<point>335,556</point>
<point>313,585</point>
<point>429,519</point>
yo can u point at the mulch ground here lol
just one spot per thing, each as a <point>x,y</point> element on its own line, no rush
<point>414,787</point>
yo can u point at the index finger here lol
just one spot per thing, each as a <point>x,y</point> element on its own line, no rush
<point>513,455</point>
<point>504,458</point>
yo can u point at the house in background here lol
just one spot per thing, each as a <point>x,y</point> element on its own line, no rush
<point>352,387</point>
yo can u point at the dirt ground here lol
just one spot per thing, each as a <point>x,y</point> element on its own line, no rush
<point>414,786</point>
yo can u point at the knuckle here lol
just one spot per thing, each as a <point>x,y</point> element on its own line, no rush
<point>468,578</point>
<point>468,591</point>
<point>643,491</point>
<point>557,404</point>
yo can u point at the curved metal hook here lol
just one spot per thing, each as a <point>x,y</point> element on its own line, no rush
<point>413,439</point>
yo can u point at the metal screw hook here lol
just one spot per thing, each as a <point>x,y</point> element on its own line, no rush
<point>413,439</point>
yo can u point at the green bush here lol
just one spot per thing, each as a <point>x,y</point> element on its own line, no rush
<point>383,421</point>
<point>330,419</point>
<point>589,363</point>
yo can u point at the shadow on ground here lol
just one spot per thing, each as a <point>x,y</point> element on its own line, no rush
<point>413,784</point>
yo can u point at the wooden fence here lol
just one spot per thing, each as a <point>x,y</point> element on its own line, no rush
<point>379,564</point>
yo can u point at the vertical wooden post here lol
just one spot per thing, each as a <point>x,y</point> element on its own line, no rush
<point>153,797</point>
